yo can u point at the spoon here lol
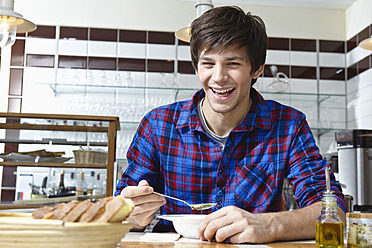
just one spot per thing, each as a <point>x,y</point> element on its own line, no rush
<point>197,207</point>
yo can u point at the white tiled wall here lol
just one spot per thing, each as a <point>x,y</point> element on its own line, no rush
<point>359,93</point>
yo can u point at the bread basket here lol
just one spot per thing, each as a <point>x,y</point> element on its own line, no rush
<point>21,230</point>
<point>90,157</point>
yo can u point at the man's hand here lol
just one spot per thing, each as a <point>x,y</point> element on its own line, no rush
<point>145,204</point>
<point>241,226</point>
<point>237,224</point>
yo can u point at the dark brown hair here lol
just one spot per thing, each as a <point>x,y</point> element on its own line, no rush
<point>225,26</point>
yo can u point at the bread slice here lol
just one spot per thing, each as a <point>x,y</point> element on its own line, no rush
<point>59,212</point>
<point>77,211</point>
<point>41,212</point>
<point>96,210</point>
<point>116,210</point>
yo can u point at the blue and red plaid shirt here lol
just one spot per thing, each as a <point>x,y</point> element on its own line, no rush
<point>177,157</point>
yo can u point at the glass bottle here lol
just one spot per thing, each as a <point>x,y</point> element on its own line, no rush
<point>61,186</point>
<point>98,186</point>
<point>52,183</point>
<point>329,226</point>
<point>80,186</point>
<point>72,187</point>
<point>90,185</point>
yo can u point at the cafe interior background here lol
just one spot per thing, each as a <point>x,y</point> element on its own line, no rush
<point>121,58</point>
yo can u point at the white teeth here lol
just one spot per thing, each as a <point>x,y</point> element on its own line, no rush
<point>222,91</point>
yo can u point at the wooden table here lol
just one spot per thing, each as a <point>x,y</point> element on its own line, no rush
<point>132,240</point>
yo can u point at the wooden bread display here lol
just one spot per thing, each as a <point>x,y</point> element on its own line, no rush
<point>109,209</point>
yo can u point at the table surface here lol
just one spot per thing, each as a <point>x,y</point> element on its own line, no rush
<point>134,240</point>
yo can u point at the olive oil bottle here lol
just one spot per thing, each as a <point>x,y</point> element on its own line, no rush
<point>329,226</point>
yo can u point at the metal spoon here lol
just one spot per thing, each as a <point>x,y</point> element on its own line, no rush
<point>197,207</point>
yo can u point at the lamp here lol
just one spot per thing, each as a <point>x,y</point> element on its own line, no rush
<point>366,44</point>
<point>201,6</point>
<point>11,23</point>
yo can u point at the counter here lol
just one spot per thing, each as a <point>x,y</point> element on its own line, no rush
<point>135,240</point>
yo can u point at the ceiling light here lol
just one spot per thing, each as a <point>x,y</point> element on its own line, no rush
<point>366,44</point>
<point>11,23</point>
<point>201,6</point>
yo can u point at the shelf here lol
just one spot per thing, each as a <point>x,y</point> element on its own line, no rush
<point>14,123</point>
<point>92,86</point>
<point>53,142</point>
<point>60,165</point>
<point>55,200</point>
<point>27,126</point>
<point>322,95</point>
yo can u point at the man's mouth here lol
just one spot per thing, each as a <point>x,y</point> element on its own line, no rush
<point>223,92</point>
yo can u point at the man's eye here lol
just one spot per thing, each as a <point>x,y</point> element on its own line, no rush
<point>207,64</point>
<point>234,63</point>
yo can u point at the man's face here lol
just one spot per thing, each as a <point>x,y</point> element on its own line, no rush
<point>225,76</point>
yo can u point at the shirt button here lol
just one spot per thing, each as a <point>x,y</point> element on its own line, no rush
<point>220,171</point>
<point>219,205</point>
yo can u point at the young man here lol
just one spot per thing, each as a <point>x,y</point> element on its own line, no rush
<point>228,145</point>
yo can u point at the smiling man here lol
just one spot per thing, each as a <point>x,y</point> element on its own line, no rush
<point>228,145</point>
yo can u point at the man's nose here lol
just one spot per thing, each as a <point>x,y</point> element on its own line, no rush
<point>220,74</point>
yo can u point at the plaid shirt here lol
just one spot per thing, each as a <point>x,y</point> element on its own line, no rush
<point>177,157</point>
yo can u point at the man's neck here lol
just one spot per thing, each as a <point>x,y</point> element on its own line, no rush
<point>222,124</point>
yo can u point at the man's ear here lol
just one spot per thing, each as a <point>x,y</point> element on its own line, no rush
<point>257,73</point>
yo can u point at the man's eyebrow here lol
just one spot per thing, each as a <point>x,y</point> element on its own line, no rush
<point>206,58</point>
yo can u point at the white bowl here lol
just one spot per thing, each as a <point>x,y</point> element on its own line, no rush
<point>185,224</point>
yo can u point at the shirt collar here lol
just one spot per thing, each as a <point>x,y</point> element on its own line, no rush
<point>259,115</point>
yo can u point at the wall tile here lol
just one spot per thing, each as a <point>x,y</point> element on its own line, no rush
<point>185,67</point>
<point>332,73</point>
<point>103,34</point>
<point>303,58</point>
<point>303,45</point>
<point>364,64</point>
<point>303,72</point>
<point>278,44</point>
<point>332,59</point>
<point>14,106</point>
<point>352,71</point>
<point>73,47</point>
<point>351,43</point>
<point>160,66</point>
<point>35,60</point>
<point>184,53</point>
<point>18,51</point>
<point>43,32</point>
<point>161,38</point>
<point>16,81</point>
<point>40,46</point>
<point>364,34</point>
<point>73,33</point>
<point>331,87</point>
<point>303,86</point>
<point>132,64</point>
<point>77,62</point>
<point>164,52</point>
<point>102,49</point>
<point>132,36</point>
<point>188,81</point>
<point>332,46</point>
<point>32,74</point>
<point>101,63</point>
<point>274,57</point>
<point>132,50</point>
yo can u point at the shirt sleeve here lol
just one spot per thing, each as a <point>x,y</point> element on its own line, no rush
<point>306,170</point>
<point>142,157</point>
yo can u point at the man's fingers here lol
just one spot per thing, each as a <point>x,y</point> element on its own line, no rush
<point>135,191</point>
